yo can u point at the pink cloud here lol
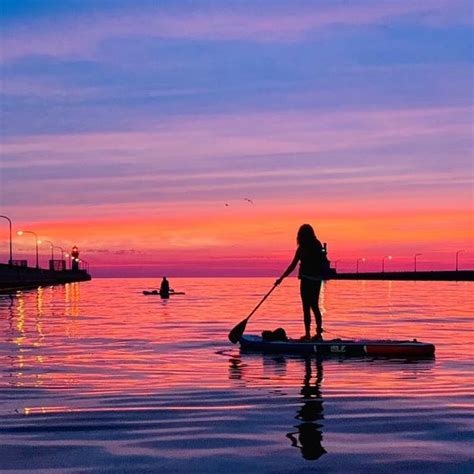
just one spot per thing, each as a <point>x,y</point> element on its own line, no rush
<point>193,145</point>
<point>259,133</point>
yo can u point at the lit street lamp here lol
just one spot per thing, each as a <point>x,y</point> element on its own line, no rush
<point>383,262</point>
<point>51,245</point>
<point>457,258</point>
<point>62,251</point>
<point>21,232</point>
<point>417,255</point>
<point>357,263</point>
<point>86,263</point>
<point>10,262</point>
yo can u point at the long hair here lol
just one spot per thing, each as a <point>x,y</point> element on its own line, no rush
<point>306,237</point>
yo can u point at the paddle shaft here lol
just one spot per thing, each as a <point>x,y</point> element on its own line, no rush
<point>261,302</point>
<point>236,333</point>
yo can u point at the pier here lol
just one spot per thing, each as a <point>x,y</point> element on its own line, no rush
<point>436,275</point>
<point>14,278</point>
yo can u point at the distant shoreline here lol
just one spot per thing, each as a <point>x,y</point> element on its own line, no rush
<point>434,275</point>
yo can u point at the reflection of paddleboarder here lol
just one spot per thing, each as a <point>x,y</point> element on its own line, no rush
<point>165,288</point>
<point>308,438</point>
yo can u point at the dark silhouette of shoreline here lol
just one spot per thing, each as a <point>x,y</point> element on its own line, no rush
<point>435,275</point>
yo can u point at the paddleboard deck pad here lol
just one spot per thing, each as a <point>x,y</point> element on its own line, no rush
<point>343,347</point>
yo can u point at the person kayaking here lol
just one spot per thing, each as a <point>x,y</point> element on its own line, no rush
<point>165,288</point>
<point>310,254</point>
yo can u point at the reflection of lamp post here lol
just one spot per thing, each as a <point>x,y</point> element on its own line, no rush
<point>51,245</point>
<point>457,258</point>
<point>21,232</point>
<point>383,262</point>
<point>357,263</point>
<point>417,255</point>
<point>10,262</point>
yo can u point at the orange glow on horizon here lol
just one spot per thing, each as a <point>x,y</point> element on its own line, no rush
<point>263,234</point>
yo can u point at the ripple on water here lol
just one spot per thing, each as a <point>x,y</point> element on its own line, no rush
<point>98,377</point>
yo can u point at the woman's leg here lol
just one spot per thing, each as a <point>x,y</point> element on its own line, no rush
<point>305,292</point>
<point>315,307</point>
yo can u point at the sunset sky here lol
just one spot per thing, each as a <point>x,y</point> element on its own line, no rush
<point>138,129</point>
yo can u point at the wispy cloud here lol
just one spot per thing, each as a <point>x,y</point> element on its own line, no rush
<point>263,133</point>
<point>82,36</point>
<point>224,157</point>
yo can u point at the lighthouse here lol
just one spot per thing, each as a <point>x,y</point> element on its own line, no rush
<point>75,258</point>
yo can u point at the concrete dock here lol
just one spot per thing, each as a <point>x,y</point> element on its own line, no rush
<point>14,278</point>
<point>443,275</point>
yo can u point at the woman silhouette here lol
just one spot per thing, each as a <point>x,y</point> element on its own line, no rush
<point>310,254</point>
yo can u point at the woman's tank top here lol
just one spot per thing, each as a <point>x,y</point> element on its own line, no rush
<point>311,261</point>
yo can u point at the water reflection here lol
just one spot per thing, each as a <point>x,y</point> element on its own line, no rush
<point>157,382</point>
<point>72,299</point>
<point>308,437</point>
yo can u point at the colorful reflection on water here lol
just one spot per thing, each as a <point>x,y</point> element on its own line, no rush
<point>137,382</point>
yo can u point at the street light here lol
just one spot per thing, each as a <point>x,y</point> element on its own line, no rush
<point>62,250</point>
<point>357,263</point>
<point>383,262</point>
<point>457,258</point>
<point>417,255</point>
<point>51,245</point>
<point>21,232</point>
<point>83,261</point>
<point>10,262</point>
<point>62,255</point>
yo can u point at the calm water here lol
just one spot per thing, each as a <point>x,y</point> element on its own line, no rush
<point>97,377</point>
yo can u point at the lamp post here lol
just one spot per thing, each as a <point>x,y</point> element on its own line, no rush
<point>357,263</point>
<point>416,255</point>
<point>21,232</point>
<point>62,250</point>
<point>457,258</point>
<point>51,245</point>
<point>335,264</point>
<point>383,262</point>
<point>87,264</point>
<point>10,262</point>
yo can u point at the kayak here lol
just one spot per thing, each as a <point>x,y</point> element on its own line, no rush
<point>157,293</point>
<point>343,347</point>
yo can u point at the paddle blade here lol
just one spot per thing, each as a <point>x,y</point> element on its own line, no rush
<point>236,333</point>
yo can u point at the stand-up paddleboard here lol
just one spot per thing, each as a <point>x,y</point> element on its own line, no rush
<point>157,293</point>
<point>362,347</point>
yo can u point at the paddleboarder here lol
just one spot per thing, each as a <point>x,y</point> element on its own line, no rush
<point>310,254</point>
<point>165,288</point>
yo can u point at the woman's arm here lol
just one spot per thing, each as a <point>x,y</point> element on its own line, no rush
<point>290,268</point>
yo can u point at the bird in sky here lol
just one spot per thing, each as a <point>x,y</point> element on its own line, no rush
<point>248,200</point>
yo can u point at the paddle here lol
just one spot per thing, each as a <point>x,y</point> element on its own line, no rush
<point>236,333</point>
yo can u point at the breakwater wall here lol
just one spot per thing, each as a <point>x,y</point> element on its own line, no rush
<point>460,275</point>
<point>14,278</point>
